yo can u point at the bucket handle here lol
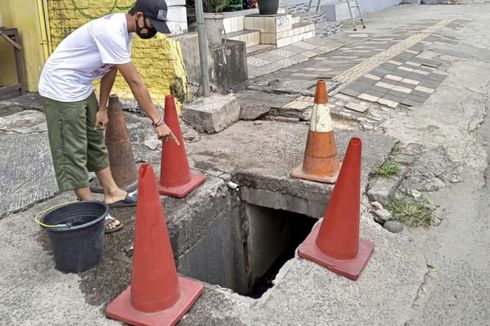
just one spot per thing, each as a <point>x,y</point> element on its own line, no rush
<point>36,218</point>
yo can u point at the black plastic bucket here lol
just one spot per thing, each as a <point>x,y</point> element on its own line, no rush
<point>76,233</point>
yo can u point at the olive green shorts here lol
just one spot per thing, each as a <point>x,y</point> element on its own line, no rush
<point>76,146</point>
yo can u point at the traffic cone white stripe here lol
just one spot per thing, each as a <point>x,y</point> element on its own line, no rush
<point>321,120</point>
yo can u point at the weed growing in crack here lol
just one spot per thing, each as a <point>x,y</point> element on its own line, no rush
<point>388,169</point>
<point>411,213</point>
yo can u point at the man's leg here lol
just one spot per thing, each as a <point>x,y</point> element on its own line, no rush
<point>84,193</point>
<point>68,143</point>
<point>97,156</point>
<point>112,192</point>
<point>98,159</point>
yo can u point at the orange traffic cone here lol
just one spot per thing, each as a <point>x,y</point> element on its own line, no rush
<point>121,160</point>
<point>157,295</point>
<point>176,179</point>
<point>320,162</point>
<point>336,244</point>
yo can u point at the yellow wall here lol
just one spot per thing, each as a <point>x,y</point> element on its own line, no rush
<point>7,59</point>
<point>159,60</point>
<point>23,15</point>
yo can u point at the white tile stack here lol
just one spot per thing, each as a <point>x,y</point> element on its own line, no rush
<point>234,27</point>
<point>280,29</point>
<point>177,17</point>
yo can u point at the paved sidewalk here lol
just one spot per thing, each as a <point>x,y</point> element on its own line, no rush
<point>367,73</point>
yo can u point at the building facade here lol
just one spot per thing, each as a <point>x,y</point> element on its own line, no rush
<point>42,25</point>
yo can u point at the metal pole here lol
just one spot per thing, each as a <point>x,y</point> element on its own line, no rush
<point>203,49</point>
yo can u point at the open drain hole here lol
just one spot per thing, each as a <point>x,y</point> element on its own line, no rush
<point>244,247</point>
<point>273,238</point>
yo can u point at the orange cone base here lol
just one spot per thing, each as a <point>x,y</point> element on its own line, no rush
<point>181,191</point>
<point>122,310</point>
<point>350,268</point>
<point>301,174</point>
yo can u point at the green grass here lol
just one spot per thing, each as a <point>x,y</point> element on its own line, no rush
<point>388,168</point>
<point>411,213</point>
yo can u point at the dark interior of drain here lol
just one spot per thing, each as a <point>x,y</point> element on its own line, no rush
<point>273,239</point>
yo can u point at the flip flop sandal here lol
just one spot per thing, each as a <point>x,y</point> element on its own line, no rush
<point>130,200</point>
<point>108,220</point>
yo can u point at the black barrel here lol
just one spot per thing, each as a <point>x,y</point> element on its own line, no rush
<point>79,244</point>
<point>268,7</point>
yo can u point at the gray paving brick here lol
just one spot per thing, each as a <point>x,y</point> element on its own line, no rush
<point>392,97</point>
<point>429,83</point>
<point>398,95</point>
<point>429,70</point>
<point>414,76</point>
<point>389,81</point>
<point>399,73</point>
<point>358,87</point>
<point>450,42</point>
<point>350,92</point>
<point>409,102</point>
<point>419,94</point>
<point>307,76</point>
<point>432,38</point>
<point>388,66</point>
<point>418,99</point>
<point>417,47</point>
<point>402,84</point>
<point>364,80</point>
<point>405,56</point>
<point>429,62</point>
<point>380,72</point>
<point>376,91</point>
<point>437,77</point>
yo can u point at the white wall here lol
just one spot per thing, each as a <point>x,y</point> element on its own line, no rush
<point>367,6</point>
<point>375,5</point>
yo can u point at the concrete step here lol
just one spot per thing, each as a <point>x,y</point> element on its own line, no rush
<point>299,32</point>
<point>296,19</point>
<point>234,21</point>
<point>303,27</point>
<point>259,48</point>
<point>269,23</point>
<point>250,37</point>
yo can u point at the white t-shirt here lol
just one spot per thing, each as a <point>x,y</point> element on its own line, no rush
<point>85,55</point>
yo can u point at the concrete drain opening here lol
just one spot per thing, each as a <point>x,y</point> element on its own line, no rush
<point>273,236</point>
<point>245,247</point>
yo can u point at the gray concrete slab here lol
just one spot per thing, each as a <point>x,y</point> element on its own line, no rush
<point>27,174</point>
<point>33,292</point>
<point>261,158</point>
<point>211,114</point>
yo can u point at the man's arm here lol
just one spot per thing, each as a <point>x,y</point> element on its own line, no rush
<point>105,87</point>
<point>142,96</point>
<point>106,83</point>
<point>139,90</point>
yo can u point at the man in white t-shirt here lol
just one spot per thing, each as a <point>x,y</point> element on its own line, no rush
<point>96,50</point>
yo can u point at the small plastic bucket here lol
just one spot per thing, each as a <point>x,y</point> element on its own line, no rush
<point>76,232</point>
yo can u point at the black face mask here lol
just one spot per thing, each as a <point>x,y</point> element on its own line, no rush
<point>150,31</point>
